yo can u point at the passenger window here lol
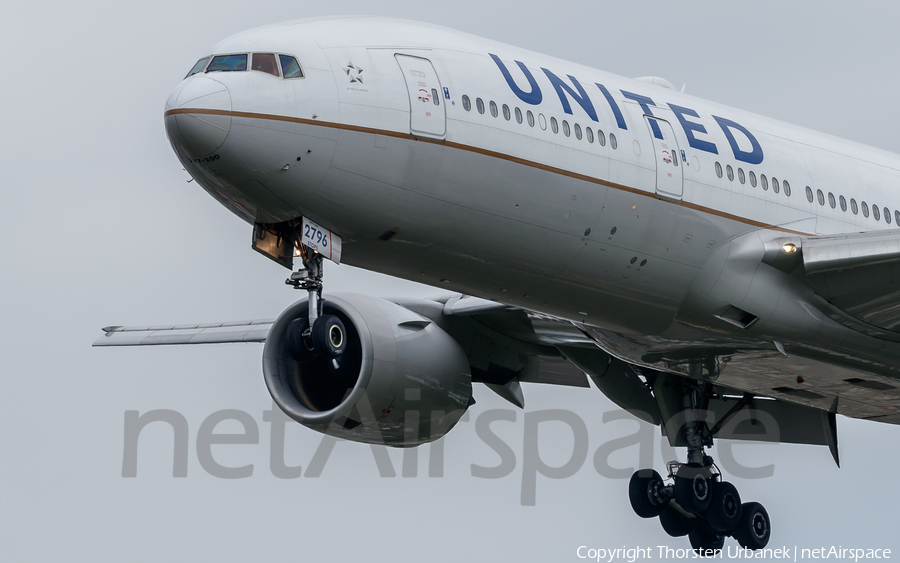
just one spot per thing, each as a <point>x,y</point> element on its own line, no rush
<point>566,130</point>
<point>741,177</point>
<point>265,62</point>
<point>820,196</point>
<point>853,207</point>
<point>674,158</point>
<point>467,103</point>
<point>228,63</point>
<point>578,131</point>
<point>897,216</point>
<point>887,215</point>
<point>290,68</point>
<point>479,105</point>
<point>543,121</point>
<point>809,194</point>
<point>601,137</point>
<point>763,181</point>
<point>494,110</point>
<point>730,171</point>
<point>530,117</point>
<point>612,141</point>
<point>831,200</point>
<point>775,187</point>
<point>590,134</point>
<point>843,203</point>
<point>865,209</point>
<point>198,67</point>
<point>506,114</point>
<point>787,188</point>
<point>518,116</point>
<point>876,214</point>
<point>753,178</point>
<point>554,125</point>
<point>718,170</point>
<point>434,97</point>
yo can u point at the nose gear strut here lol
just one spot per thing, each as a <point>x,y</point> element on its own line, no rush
<point>324,333</point>
<point>309,278</point>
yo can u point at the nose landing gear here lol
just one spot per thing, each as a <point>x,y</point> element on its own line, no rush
<point>321,334</point>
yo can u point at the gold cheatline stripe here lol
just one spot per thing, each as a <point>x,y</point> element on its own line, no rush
<point>485,152</point>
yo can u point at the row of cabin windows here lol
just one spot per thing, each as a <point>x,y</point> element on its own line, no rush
<point>854,208</point>
<point>819,195</point>
<point>586,133</point>
<point>277,65</point>
<point>751,176</point>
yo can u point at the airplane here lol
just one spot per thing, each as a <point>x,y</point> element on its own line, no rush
<point>713,272</point>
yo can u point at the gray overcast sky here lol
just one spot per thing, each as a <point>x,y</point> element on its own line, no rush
<point>100,227</point>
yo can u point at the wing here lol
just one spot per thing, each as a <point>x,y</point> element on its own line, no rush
<point>210,333</point>
<point>507,346</point>
<point>859,275</point>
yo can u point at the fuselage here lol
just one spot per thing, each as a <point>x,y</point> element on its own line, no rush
<point>622,205</point>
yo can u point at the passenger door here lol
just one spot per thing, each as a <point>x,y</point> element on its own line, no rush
<point>427,112</point>
<point>669,175</point>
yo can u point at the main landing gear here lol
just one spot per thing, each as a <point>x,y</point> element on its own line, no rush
<point>699,504</point>
<point>695,501</point>
<point>318,334</point>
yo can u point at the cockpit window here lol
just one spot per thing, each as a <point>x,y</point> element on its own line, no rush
<point>227,63</point>
<point>198,67</point>
<point>265,62</point>
<point>289,67</point>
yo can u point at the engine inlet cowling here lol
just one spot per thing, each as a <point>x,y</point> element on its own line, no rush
<point>400,379</point>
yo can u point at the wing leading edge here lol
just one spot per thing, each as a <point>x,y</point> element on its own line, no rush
<point>210,333</point>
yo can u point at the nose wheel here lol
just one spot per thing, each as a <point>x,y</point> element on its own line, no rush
<point>320,334</point>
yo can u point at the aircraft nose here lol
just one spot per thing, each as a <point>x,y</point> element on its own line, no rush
<point>198,116</point>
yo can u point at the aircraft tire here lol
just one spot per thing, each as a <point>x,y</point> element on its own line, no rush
<point>692,488</point>
<point>703,539</point>
<point>329,336</point>
<point>297,345</point>
<point>643,492</point>
<point>754,528</point>
<point>724,510</point>
<point>674,523</point>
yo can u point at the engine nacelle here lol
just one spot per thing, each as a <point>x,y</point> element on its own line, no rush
<point>401,380</point>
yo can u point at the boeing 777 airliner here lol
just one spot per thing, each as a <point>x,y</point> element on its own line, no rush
<point>714,272</point>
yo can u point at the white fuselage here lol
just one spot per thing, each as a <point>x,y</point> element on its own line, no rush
<point>628,237</point>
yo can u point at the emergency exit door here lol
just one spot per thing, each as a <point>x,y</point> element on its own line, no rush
<point>427,111</point>
<point>669,175</point>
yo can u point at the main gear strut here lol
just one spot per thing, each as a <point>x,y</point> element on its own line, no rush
<point>697,502</point>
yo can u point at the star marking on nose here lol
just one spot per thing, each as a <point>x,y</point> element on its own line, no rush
<point>354,72</point>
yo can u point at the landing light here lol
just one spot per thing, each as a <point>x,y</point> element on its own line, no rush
<point>789,248</point>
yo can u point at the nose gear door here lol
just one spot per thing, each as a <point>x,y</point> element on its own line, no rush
<point>427,112</point>
<point>669,175</point>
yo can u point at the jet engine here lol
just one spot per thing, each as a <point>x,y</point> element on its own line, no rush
<point>385,375</point>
